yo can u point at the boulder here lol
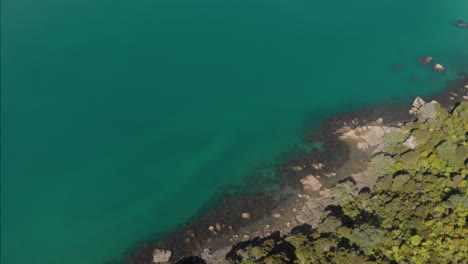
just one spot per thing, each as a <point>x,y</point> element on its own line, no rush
<point>438,67</point>
<point>161,255</point>
<point>246,215</point>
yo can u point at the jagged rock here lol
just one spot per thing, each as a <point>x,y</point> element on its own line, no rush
<point>161,255</point>
<point>417,103</point>
<point>425,60</point>
<point>438,67</point>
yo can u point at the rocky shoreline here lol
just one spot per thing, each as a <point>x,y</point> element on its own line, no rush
<point>350,141</point>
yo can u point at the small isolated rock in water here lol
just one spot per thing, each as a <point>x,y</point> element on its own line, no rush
<point>438,67</point>
<point>246,215</point>
<point>461,24</point>
<point>276,215</point>
<point>218,226</point>
<point>211,228</point>
<point>425,60</point>
<point>379,121</point>
<point>161,255</point>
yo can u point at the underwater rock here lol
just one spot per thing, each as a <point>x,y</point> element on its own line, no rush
<point>425,60</point>
<point>461,24</point>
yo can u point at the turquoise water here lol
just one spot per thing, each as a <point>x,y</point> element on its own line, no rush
<point>120,119</point>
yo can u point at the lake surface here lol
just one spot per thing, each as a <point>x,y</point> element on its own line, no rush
<point>121,119</point>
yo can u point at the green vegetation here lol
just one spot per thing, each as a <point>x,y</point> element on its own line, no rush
<point>416,213</point>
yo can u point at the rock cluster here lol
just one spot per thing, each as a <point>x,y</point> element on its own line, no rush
<point>426,60</point>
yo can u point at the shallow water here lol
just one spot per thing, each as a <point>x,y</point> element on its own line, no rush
<point>120,120</point>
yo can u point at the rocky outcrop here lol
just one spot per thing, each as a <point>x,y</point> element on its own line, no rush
<point>311,182</point>
<point>417,103</point>
<point>366,137</point>
<point>161,255</point>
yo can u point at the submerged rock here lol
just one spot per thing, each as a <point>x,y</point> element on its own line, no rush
<point>461,24</point>
<point>425,60</point>
<point>161,255</point>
